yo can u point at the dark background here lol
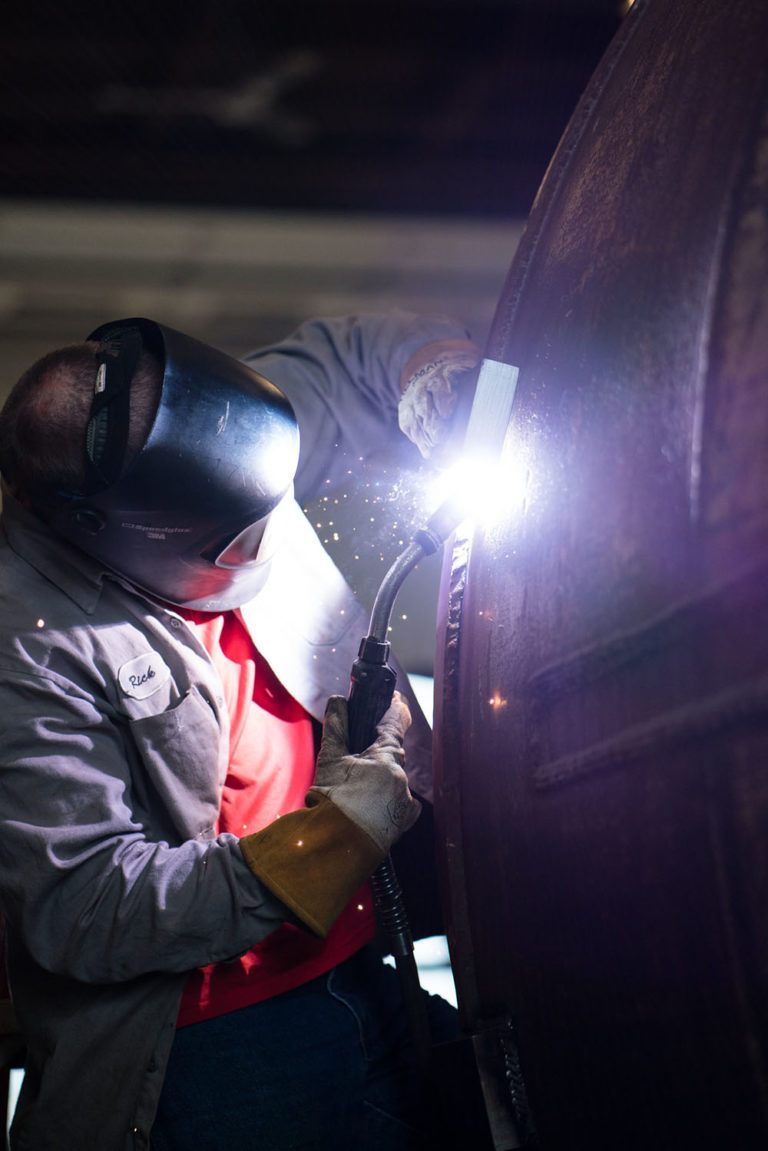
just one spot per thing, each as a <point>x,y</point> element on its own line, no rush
<point>405,106</point>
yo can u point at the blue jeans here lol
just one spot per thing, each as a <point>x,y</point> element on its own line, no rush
<point>326,1067</point>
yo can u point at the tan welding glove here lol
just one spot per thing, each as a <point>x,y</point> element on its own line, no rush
<point>314,860</point>
<point>432,382</point>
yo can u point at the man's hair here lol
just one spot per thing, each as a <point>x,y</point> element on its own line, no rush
<point>44,420</point>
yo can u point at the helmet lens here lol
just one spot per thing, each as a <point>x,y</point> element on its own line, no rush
<point>242,550</point>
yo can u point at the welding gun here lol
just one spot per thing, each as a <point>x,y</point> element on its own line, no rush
<point>372,684</point>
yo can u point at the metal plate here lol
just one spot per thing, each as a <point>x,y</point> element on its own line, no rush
<point>602,665</point>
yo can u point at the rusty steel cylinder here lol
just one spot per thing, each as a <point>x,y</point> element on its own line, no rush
<point>601,719</point>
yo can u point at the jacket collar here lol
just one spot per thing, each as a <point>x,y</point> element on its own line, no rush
<point>79,576</point>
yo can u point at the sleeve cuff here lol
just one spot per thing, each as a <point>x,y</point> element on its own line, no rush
<point>313,860</point>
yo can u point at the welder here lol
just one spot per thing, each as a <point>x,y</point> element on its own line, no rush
<point>190,940</point>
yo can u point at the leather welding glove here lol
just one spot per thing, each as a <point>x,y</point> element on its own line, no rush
<point>431,383</point>
<point>314,860</point>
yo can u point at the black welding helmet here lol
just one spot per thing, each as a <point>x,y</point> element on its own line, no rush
<point>193,517</point>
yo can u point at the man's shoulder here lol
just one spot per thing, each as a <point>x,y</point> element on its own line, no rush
<point>35,581</point>
<point>54,617</point>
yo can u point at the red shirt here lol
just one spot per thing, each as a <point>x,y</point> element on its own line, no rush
<point>271,766</point>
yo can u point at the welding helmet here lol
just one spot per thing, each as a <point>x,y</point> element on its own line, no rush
<point>194,516</point>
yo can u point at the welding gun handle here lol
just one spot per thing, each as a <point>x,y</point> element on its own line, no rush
<point>371,689</point>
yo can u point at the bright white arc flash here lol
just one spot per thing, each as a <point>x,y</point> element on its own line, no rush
<point>485,490</point>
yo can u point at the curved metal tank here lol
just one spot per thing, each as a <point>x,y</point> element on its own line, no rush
<point>602,665</point>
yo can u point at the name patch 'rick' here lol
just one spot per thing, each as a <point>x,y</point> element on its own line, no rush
<point>144,675</point>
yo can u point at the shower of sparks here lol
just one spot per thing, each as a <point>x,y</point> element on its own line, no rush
<point>389,507</point>
<point>366,523</point>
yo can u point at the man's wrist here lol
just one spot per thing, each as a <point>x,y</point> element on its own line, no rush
<point>435,354</point>
<point>313,860</point>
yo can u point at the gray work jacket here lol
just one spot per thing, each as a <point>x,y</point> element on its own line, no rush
<point>112,880</point>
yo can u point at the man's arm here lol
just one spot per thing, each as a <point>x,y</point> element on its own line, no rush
<point>344,378</point>
<point>97,894</point>
<point>88,878</point>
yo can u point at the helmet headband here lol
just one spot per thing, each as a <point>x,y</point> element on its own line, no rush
<point>107,432</point>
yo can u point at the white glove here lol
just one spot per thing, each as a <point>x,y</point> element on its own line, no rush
<point>370,788</point>
<point>432,382</point>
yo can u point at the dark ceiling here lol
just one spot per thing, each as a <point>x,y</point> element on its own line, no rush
<point>417,106</point>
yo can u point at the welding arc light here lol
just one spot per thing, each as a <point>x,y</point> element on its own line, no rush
<point>482,490</point>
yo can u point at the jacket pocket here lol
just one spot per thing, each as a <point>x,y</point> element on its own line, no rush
<point>180,750</point>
